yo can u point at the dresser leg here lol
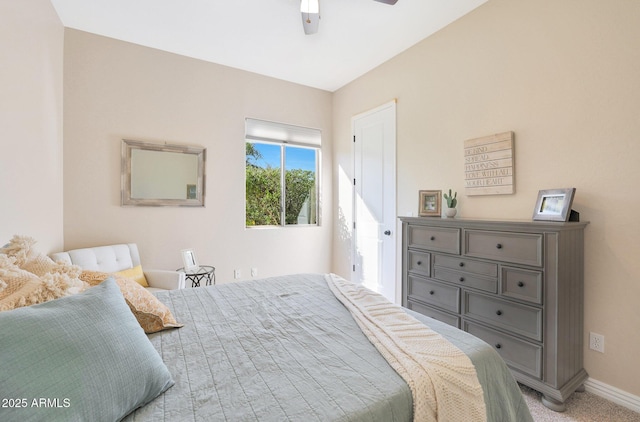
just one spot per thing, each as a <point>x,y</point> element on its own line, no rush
<point>553,404</point>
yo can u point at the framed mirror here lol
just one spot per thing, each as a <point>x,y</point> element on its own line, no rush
<point>162,174</point>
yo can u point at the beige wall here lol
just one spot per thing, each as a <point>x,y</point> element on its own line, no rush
<point>115,90</point>
<point>31,45</point>
<point>565,77</point>
<point>562,75</point>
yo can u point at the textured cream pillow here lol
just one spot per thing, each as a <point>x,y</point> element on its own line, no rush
<point>28,259</point>
<point>135,274</point>
<point>152,315</point>
<point>21,288</point>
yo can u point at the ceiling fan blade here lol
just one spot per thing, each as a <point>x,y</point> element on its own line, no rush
<point>391,2</point>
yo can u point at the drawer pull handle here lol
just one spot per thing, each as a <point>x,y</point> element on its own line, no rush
<point>431,292</point>
<point>419,262</point>
<point>499,246</point>
<point>520,284</point>
<point>461,279</point>
<point>461,264</point>
<point>432,238</point>
<point>498,346</point>
<point>498,312</point>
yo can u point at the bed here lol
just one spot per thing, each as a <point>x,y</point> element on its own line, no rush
<point>285,348</point>
<point>277,349</point>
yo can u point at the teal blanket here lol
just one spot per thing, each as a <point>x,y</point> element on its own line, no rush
<point>285,349</point>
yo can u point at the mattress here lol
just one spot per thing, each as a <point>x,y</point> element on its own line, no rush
<point>284,348</point>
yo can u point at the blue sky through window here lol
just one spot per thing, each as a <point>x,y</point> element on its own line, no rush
<point>297,158</point>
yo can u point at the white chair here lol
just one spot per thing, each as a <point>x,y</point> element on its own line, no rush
<point>114,258</point>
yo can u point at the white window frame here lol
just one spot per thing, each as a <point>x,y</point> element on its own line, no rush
<point>273,133</point>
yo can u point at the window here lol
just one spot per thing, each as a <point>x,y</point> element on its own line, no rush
<point>282,182</point>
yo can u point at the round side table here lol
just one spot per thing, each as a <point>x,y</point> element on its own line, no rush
<point>204,273</point>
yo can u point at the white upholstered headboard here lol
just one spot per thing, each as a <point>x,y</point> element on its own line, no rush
<point>108,259</point>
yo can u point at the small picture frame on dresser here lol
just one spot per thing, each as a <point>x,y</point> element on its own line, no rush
<point>189,260</point>
<point>430,203</point>
<point>554,204</point>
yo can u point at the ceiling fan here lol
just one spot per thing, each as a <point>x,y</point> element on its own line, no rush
<point>310,10</point>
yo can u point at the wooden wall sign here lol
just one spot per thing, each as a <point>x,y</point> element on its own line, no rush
<point>488,165</point>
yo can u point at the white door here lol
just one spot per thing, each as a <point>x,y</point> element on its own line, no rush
<point>374,200</point>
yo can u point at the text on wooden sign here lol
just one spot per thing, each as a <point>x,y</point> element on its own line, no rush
<point>488,165</point>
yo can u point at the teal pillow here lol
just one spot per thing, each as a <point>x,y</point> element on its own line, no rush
<point>78,358</point>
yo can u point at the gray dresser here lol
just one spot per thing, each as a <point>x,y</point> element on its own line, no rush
<point>516,285</point>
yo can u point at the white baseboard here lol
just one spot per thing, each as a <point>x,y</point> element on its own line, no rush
<point>613,394</point>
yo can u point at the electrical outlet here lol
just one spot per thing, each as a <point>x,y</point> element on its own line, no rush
<point>254,272</point>
<point>596,342</point>
<point>237,274</point>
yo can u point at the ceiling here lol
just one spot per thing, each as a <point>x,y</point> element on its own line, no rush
<point>266,36</point>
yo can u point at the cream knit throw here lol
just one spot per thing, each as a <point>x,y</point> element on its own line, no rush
<point>442,379</point>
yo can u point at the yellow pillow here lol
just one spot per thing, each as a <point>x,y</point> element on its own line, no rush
<point>135,274</point>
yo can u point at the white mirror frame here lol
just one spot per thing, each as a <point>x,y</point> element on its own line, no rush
<point>128,146</point>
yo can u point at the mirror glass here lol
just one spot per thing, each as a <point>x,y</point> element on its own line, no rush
<point>161,174</point>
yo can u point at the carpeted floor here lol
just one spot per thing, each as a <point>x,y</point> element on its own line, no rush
<point>583,407</point>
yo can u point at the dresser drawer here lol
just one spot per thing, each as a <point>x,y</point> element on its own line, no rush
<point>521,284</point>
<point>518,354</point>
<point>521,248</point>
<point>466,279</point>
<point>434,293</point>
<point>516,318</point>
<point>442,239</point>
<point>467,265</point>
<point>434,313</point>
<point>419,262</point>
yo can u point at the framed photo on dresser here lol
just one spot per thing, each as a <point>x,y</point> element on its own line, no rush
<point>430,203</point>
<point>554,204</point>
